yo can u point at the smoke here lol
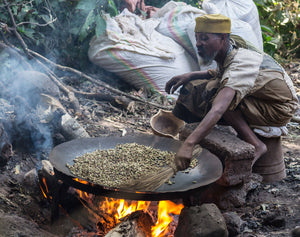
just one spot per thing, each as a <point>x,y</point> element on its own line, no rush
<point>21,85</point>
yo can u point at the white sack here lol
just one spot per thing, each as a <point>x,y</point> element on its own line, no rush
<point>176,19</point>
<point>143,57</point>
<point>244,10</point>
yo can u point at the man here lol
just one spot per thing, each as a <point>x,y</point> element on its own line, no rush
<point>249,88</point>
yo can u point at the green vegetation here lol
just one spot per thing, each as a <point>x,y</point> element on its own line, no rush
<point>280,24</point>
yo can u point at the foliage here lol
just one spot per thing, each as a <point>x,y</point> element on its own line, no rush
<point>60,28</point>
<point>280,24</point>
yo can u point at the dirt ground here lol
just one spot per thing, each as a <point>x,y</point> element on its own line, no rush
<point>272,210</point>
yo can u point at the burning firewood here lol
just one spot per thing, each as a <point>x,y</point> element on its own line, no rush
<point>137,224</point>
<point>69,127</point>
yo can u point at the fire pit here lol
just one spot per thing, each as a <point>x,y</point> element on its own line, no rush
<point>208,170</point>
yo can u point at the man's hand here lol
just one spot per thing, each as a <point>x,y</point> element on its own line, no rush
<point>180,80</point>
<point>130,4</point>
<point>176,82</point>
<point>184,156</point>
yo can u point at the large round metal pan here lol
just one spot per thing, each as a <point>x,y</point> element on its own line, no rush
<point>208,170</point>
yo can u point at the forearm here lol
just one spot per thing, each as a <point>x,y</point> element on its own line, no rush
<point>203,129</point>
<point>200,75</point>
<point>219,107</point>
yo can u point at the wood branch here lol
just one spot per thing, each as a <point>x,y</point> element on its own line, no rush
<point>4,38</point>
<point>100,83</point>
<point>137,224</point>
<point>68,126</point>
<point>15,31</point>
<point>119,101</point>
<point>35,23</point>
<point>72,98</point>
<point>105,221</point>
<point>13,51</point>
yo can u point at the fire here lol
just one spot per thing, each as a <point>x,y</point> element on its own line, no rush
<point>163,217</point>
<point>83,195</point>
<point>44,189</point>
<point>120,208</point>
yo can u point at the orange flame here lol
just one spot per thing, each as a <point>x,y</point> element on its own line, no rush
<point>163,217</point>
<point>120,208</point>
<point>81,181</point>
<point>46,191</point>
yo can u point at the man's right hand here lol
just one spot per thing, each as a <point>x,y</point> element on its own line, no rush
<point>177,81</point>
<point>184,156</point>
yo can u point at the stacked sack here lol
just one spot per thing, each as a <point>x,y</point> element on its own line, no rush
<point>139,54</point>
<point>147,53</point>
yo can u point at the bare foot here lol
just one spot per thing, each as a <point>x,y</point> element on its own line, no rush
<point>260,149</point>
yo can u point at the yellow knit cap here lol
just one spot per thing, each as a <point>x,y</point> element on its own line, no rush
<point>213,23</point>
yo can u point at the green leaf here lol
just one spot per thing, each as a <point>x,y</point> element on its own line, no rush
<point>74,30</point>
<point>38,2</point>
<point>26,31</point>
<point>111,8</point>
<point>86,28</point>
<point>87,5</point>
<point>267,38</point>
<point>267,29</point>
<point>100,25</point>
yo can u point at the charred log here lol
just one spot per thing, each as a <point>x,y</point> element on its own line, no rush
<point>137,224</point>
<point>63,122</point>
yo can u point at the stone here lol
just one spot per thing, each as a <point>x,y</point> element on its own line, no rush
<point>235,154</point>
<point>228,197</point>
<point>233,222</point>
<point>201,221</point>
<point>12,225</point>
<point>296,232</point>
<point>31,84</point>
<point>274,220</point>
<point>30,178</point>
<point>47,167</point>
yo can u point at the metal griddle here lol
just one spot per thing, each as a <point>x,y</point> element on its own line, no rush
<point>208,170</point>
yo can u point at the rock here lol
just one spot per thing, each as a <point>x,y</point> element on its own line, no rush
<point>30,178</point>
<point>55,114</point>
<point>31,84</point>
<point>274,220</point>
<point>296,116</point>
<point>12,225</point>
<point>235,154</point>
<point>233,223</point>
<point>296,232</point>
<point>47,167</point>
<point>201,221</point>
<point>228,197</point>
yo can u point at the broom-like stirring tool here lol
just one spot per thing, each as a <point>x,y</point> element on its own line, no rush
<point>154,181</point>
